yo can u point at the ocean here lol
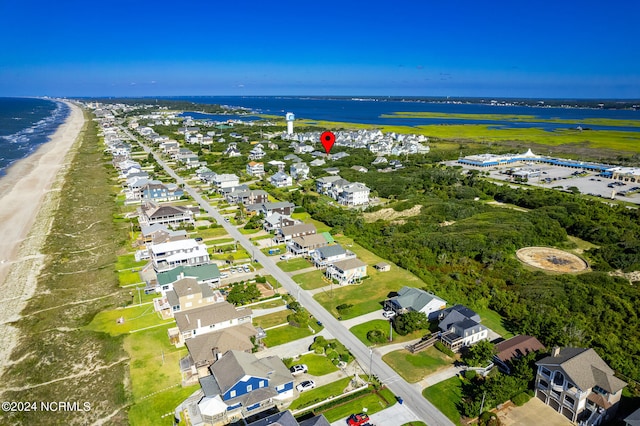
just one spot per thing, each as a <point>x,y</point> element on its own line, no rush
<point>25,124</point>
<point>370,111</point>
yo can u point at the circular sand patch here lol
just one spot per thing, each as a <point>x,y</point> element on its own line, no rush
<point>551,259</point>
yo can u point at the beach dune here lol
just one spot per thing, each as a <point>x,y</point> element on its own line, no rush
<point>28,201</point>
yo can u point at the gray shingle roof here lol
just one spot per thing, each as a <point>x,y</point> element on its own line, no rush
<point>329,251</point>
<point>585,368</point>
<point>208,315</point>
<point>415,298</point>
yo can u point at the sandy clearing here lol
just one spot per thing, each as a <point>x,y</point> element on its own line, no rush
<point>29,197</point>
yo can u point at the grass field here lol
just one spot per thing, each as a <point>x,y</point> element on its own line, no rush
<point>372,402</point>
<point>318,365</point>
<point>135,318</point>
<point>446,396</point>
<point>361,330</point>
<point>270,320</point>
<point>320,393</point>
<point>414,367</point>
<point>128,277</point>
<point>494,321</point>
<point>311,280</point>
<point>294,264</point>
<point>288,333</point>
<point>269,303</point>
<point>208,233</point>
<point>128,261</point>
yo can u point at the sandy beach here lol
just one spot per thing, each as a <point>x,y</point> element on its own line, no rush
<point>28,201</point>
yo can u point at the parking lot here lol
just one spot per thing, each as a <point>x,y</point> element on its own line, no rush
<point>563,178</point>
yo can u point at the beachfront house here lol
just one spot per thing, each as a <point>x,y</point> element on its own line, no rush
<point>347,271</point>
<point>207,319</point>
<point>178,253</point>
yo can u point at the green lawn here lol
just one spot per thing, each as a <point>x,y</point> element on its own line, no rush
<point>270,320</point>
<point>372,402</point>
<point>154,367</point>
<point>282,247</point>
<point>134,318</point>
<point>288,333</point>
<point>312,280</point>
<point>320,394</point>
<point>127,277</point>
<point>294,264</point>
<point>269,304</point>
<point>446,396</point>
<point>261,237</point>
<point>208,233</point>
<point>494,321</point>
<point>128,261</point>
<point>361,330</point>
<point>414,367</point>
<point>318,365</point>
<point>249,231</point>
<point>377,287</point>
<point>218,241</point>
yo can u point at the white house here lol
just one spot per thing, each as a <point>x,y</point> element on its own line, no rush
<point>328,255</point>
<point>207,319</point>
<point>281,180</point>
<point>255,169</point>
<point>299,171</point>
<point>169,255</point>
<point>355,194</point>
<point>225,180</point>
<point>347,271</point>
<point>415,299</point>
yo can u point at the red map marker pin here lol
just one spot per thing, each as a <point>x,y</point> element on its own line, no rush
<point>327,139</point>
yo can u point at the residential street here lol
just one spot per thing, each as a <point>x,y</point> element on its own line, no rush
<point>367,358</point>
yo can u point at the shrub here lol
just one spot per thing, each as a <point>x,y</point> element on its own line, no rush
<point>470,374</point>
<point>521,399</point>
<point>488,418</point>
<point>445,350</point>
<point>377,336</point>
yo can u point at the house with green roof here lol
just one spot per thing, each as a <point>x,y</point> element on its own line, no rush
<point>204,274</point>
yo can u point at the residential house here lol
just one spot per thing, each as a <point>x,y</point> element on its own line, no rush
<point>292,157</point>
<point>417,300</point>
<point>303,149</point>
<point>339,155</point>
<point>189,252</point>
<point>158,234</point>
<point>267,209</point>
<point>156,191</point>
<point>287,233</point>
<point>379,161</point>
<point>317,162</point>
<point>347,271</point>
<point>285,418</point>
<point>225,180</point>
<point>299,171</point>
<point>355,194</point>
<point>207,348</point>
<point>241,385</point>
<point>207,319</point>
<point>277,221</point>
<point>185,295</point>
<point>360,169</point>
<point>633,419</point>
<point>324,184</point>
<point>324,256</point>
<point>579,384</point>
<point>306,244</point>
<point>203,274</point>
<point>255,169</point>
<point>280,180</point>
<point>257,153</point>
<point>515,347</point>
<point>151,213</point>
<point>247,196</point>
<point>461,327</point>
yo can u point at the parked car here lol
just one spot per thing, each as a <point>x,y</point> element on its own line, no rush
<point>306,385</point>
<point>285,257</point>
<point>223,275</point>
<point>298,369</point>
<point>388,314</point>
<point>232,270</point>
<point>198,239</point>
<point>246,269</point>
<point>358,419</point>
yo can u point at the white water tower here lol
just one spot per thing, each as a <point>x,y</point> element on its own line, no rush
<point>290,117</point>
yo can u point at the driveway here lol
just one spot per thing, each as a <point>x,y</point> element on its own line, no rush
<point>532,413</point>
<point>397,414</point>
<point>295,348</point>
<point>363,318</point>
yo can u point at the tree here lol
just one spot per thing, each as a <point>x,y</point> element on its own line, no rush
<point>410,322</point>
<point>480,354</point>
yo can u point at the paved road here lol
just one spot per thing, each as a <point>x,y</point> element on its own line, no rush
<point>370,361</point>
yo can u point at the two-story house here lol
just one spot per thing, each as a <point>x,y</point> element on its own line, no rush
<point>325,256</point>
<point>461,327</point>
<point>255,169</point>
<point>579,384</point>
<point>347,271</point>
<point>287,233</point>
<point>185,295</point>
<point>247,196</point>
<point>207,319</point>
<point>299,171</point>
<point>277,221</point>
<point>305,245</point>
<point>267,209</point>
<point>151,213</point>
<point>354,194</point>
<point>513,348</point>
<point>225,180</point>
<point>169,255</point>
<point>204,274</point>
<point>280,180</point>
<point>417,300</point>
<point>241,385</point>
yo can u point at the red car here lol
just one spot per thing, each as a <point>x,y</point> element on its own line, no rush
<point>357,419</point>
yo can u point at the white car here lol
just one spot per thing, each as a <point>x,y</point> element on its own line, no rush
<point>285,257</point>
<point>388,314</point>
<point>298,369</point>
<point>306,385</point>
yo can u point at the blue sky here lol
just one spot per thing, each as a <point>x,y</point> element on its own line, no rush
<point>557,49</point>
